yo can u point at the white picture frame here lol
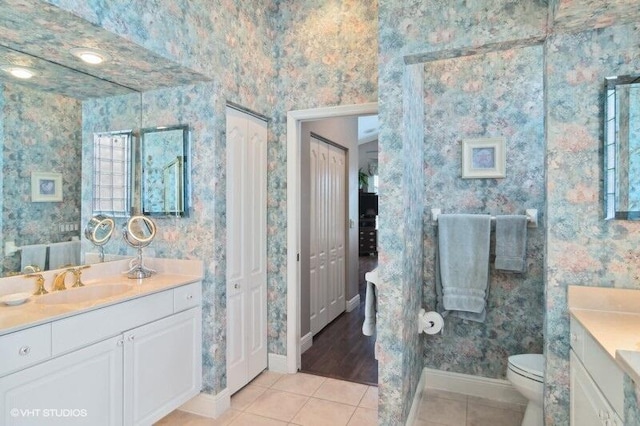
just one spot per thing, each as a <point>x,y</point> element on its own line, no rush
<point>483,158</point>
<point>46,187</point>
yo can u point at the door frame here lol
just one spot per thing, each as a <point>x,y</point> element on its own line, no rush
<point>294,122</point>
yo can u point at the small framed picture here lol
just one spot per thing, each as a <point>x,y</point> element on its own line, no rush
<point>46,187</point>
<point>483,158</point>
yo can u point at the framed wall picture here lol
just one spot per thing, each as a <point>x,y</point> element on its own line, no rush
<point>483,158</point>
<point>46,187</point>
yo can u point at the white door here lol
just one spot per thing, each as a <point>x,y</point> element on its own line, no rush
<point>162,366</point>
<point>83,387</point>
<point>246,248</point>
<point>328,192</point>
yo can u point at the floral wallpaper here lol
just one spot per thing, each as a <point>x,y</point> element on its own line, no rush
<point>631,415</point>
<point>577,15</point>
<point>42,133</point>
<point>497,94</point>
<point>582,248</point>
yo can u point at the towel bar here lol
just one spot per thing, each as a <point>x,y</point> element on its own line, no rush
<point>532,217</point>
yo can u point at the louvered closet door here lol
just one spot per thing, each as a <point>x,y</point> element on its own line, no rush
<point>246,248</point>
<point>327,170</point>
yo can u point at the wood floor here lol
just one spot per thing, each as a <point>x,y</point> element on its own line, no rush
<point>340,350</point>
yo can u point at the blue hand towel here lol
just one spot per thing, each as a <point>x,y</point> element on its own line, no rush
<point>511,243</point>
<point>462,265</point>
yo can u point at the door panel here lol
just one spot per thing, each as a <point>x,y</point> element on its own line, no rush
<point>327,233</point>
<point>246,248</point>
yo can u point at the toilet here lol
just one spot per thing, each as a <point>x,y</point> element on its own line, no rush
<point>526,374</point>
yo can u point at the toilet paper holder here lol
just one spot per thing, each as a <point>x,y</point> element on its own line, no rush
<point>429,322</point>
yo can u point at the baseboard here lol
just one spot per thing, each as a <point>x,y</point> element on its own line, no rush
<point>353,303</point>
<point>205,405</point>
<point>306,342</point>
<point>277,363</point>
<point>415,405</point>
<point>484,387</point>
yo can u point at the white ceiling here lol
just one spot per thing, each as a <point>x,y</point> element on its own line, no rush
<point>367,128</point>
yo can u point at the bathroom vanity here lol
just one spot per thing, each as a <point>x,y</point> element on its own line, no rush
<point>605,329</point>
<point>126,356</point>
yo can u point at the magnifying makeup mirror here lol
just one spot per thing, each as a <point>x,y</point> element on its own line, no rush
<point>138,232</point>
<point>99,231</point>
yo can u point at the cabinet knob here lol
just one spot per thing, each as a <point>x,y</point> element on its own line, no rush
<point>574,337</point>
<point>236,286</point>
<point>189,296</point>
<point>120,342</point>
<point>24,351</point>
<point>132,337</point>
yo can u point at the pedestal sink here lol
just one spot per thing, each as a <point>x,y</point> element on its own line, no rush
<point>83,294</point>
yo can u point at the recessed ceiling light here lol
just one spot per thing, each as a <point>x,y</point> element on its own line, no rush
<point>19,71</point>
<point>90,56</point>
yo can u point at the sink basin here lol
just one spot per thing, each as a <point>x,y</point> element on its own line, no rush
<point>83,294</point>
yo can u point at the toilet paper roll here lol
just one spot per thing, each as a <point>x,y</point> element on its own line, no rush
<point>432,322</point>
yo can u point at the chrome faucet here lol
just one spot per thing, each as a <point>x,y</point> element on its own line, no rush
<point>58,281</point>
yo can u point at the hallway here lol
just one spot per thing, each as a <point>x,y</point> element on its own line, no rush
<point>340,350</point>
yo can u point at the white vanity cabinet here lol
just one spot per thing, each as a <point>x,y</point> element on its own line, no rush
<point>596,382</point>
<point>129,363</point>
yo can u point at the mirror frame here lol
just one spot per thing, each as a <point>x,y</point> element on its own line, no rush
<point>183,176</point>
<point>614,154</point>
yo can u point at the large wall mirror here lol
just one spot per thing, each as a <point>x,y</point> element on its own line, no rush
<point>622,148</point>
<point>165,171</point>
<point>48,122</point>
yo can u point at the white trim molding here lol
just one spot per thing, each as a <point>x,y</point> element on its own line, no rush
<point>278,363</point>
<point>206,405</point>
<point>353,303</point>
<point>483,387</point>
<point>306,342</point>
<point>415,405</point>
<point>294,120</point>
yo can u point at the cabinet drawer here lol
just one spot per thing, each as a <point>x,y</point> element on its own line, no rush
<point>82,330</point>
<point>187,296</point>
<point>23,348</point>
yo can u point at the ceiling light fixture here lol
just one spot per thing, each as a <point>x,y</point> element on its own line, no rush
<point>18,71</point>
<point>90,56</point>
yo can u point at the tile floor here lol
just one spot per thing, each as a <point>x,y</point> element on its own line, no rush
<point>308,400</point>
<point>292,399</point>
<point>442,408</point>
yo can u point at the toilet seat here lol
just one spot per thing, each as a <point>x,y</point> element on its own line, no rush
<point>530,366</point>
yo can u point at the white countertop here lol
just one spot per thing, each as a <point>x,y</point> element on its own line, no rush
<point>612,317</point>
<point>171,274</point>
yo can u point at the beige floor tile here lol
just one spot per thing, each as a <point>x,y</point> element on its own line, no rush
<point>277,405</point>
<point>267,378</point>
<point>364,417</point>
<point>446,411</point>
<point>300,383</point>
<point>245,396</point>
<point>419,422</point>
<point>498,404</point>
<point>484,415</point>
<point>437,393</point>
<point>182,418</point>
<point>341,391</point>
<point>370,398</point>
<point>248,419</point>
<point>319,412</point>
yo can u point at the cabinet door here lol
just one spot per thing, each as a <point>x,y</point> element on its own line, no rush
<point>588,406</point>
<point>83,387</point>
<point>162,366</point>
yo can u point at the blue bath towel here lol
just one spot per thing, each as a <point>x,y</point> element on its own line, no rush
<point>511,243</point>
<point>462,265</point>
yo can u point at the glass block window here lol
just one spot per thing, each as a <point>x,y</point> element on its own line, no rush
<point>112,173</point>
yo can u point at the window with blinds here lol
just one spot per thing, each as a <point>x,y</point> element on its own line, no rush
<point>112,173</point>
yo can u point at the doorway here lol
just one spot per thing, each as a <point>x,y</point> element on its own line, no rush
<point>295,119</point>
